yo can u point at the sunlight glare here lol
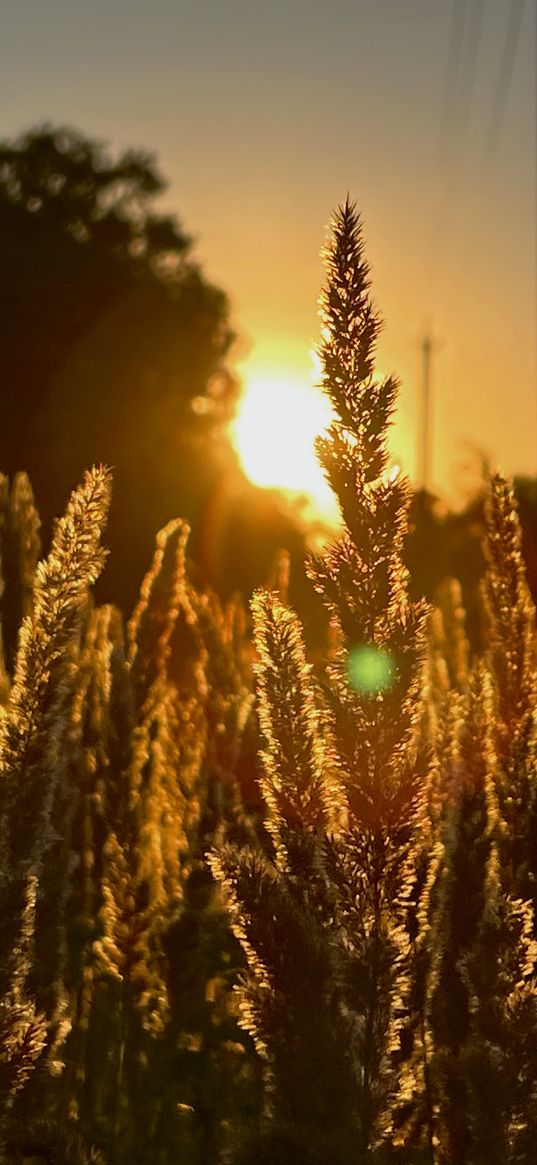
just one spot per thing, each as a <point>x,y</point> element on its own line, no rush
<point>274,434</point>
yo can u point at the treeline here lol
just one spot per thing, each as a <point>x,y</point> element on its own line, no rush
<point>299,927</point>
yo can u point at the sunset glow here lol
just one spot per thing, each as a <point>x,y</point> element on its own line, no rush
<point>274,434</point>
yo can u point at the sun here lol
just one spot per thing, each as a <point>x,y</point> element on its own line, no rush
<point>274,431</point>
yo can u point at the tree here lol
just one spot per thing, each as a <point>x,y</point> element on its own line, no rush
<point>111,337</point>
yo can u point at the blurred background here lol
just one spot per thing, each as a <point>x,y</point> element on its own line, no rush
<point>167,173</point>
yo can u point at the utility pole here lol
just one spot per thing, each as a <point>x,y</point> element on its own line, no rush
<point>428,344</point>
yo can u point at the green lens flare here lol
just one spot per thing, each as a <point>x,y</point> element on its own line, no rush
<point>370,669</point>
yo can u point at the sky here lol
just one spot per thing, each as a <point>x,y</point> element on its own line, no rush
<point>264,115</point>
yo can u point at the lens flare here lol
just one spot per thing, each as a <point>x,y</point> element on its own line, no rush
<point>370,669</point>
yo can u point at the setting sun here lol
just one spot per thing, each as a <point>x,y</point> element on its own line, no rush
<point>274,434</point>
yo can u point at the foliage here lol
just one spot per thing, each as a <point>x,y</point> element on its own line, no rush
<point>387,945</point>
<point>342,971</point>
<point>340,780</point>
<point>117,774</point>
<point>111,336</point>
<point>445,544</point>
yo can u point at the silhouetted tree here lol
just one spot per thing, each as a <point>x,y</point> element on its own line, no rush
<point>112,339</point>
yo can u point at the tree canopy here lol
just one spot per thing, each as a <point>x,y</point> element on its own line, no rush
<point>113,341</point>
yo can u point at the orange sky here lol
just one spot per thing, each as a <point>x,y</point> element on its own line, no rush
<point>263,116</point>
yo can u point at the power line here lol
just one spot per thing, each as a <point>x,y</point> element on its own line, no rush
<point>469,56</point>
<point>466,22</point>
<point>505,74</point>
<point>463,52</point>
<point>459,13</point>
